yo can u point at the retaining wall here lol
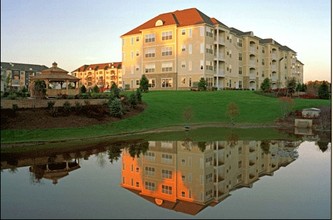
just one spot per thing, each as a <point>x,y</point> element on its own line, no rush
<point>43,103</point>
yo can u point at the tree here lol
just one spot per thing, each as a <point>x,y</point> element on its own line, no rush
<point>96,89</point>
<point>265,85</point>
<point>144,82</point>
<point>116,108</point>
<point>40,88</point>
<point>138,96</point>
<point>286,105</point>
<point>83,89</point>
<point>323,91</point>
<point>232,111</point>
<point>115,92</point>
<point>202,85</point>
<point>291,86</point>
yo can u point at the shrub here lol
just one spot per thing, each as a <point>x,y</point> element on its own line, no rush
<point>67,107</point>
<point>133,100</point>
<point>15,107</point>
<point>83,89</point>
<point>116,108</point>
<point>144,83</point>
<point>138,96</point>
<point>50,104</point>
<point>202,85</point>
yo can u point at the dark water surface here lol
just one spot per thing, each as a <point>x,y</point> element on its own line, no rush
<point>173,179</point>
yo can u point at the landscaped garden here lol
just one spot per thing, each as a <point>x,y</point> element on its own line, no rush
<point>175,109</point>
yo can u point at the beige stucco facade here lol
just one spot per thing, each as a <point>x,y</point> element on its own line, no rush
<point>174,52</point>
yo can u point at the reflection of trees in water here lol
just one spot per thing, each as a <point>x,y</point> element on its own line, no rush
<point>323,145</point>
<point>137,148</point>
<point>101,159</point>
<point>202,145</point>
<point>265,146</point>
<point>114,153</point>
<point>232,139</point>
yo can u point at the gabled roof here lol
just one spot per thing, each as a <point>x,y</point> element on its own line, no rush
<point>186,17</point>
<point>215,21</point>
<point>286,48</point>
<point>22,66</point>
<point>99,66</point>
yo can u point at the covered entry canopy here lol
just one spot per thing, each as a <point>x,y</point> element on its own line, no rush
<point>54,79</point>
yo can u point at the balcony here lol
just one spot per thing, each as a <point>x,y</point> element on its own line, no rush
<point>219,40</point>
<point>218,178</point>
<point>221,57</point>
<point>218,162</point>
<point>220,74</point>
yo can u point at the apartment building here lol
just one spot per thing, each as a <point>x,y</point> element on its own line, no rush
<point>176,49</point>
<point>16,76</point>
<point>101,74</point>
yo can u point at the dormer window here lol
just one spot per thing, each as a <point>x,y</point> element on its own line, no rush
<point>159,23</point>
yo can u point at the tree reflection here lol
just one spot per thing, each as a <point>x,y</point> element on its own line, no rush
<point>137,148</point>
<point>323,145</point>
<point>265,146</point>
<point>114,153</point>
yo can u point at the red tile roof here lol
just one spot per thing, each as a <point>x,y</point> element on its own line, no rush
<point>99,66</point>
<point>186,17</point>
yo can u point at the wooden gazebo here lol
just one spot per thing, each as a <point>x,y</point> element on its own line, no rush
<point>58,82</point>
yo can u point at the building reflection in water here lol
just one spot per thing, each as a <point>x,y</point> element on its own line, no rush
<point>187,176</point>
<point>54,171</point>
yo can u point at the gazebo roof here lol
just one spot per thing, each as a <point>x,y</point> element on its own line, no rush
<point>54,74</point>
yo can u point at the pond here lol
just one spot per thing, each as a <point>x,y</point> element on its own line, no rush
<point>230,177</point>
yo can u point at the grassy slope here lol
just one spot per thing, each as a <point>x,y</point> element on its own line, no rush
<point>165,108</point>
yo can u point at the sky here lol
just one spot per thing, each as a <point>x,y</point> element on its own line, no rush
<point>77,32</point>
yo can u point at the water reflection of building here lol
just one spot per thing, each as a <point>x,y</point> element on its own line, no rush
<point>53,167</point>
<point>54,171</point>
<point>180,176</point>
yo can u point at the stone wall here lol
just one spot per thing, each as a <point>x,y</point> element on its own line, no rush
<point>43,103</point>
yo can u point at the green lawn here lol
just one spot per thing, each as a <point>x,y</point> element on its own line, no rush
<point>166,108</point>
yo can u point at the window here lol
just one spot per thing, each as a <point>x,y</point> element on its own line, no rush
<point>209,177</point>
<point>183,194</point>
<point>150,155</point>
<point>149,68</point>
<point>167,67</point>
<point>137,38</point>
<point>150,38</point>
<point>240,84</point>
<point>209,49</point>
<point>209,32</point>
<point>150,171</point>
<point>240,56</point>
<point>166,158</point>
<point>209,65</point>
<point>201,48</point>
<point>150,52</point>
<point>167,174</point>
<point>166,51</point>
<point>240,71</point>
<point>183,47</point>
<point>132,40</point>
<point>189,65</point>
<point>239,42</point>
<point>183,32</point>
<point>166,189</point>
<point>152,83</point>
<point>183,80</point>
<point>150,186</point>
<point>201,31</point>
<point>183,64</point>
<point>167,35</point>
<point>190,48</point>
<point>190,33</point>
